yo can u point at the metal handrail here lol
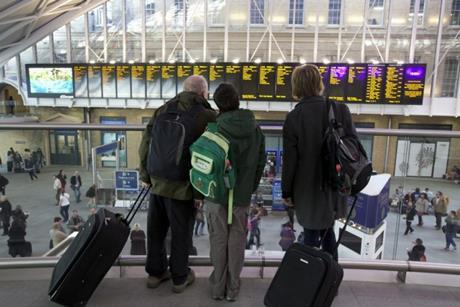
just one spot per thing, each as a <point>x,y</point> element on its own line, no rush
<point>364,131</point>
<point>259,261</point>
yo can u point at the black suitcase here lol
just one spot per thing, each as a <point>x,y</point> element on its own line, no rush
<point>19,248</point>
<point>307,277</point>
<point>90,255</point>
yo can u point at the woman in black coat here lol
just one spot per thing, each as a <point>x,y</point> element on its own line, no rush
<point>317,206</point>
<point>137,240</point>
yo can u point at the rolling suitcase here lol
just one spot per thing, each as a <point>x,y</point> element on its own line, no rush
<point>307,277</point>
<point>90,255</point>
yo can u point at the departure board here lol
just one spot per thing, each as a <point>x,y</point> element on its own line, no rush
<point>138,81</point>
<point>414,83</point>
<point>168,81</point>
<point>80,81</point>
<point>201,69</point>
<point>267,79</point>
<point>249,81</point>
<point>337,82</point>
<point>94,81</point>
<point>216,77</point>
<point>123,81</point>
<point>233,76</point>
<point>375,83</point>
<point>153,80</point>
<point>393,84</point>
<point>109,83</point>
<point>283,90</point>
<point>356,85</point>
<point>324,70</point>
<point>183,72</point>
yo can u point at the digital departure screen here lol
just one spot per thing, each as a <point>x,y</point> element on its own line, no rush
<point>414,83</point>
<point>109,83</point>
<point>337,82</point>
<point>216,77</point>
<point>283,81</point>
<point>249,81</point>
<point>356,85</point>
<point>138,81</point>
<point>375,83</point>
<point>168,81</point>
<point>80,81</point>
<point>95,81</point>
<point>183,72</point>
<point>267,79</point>
<point>153,80</point>
<point>364,83</point>
<point>233,76</point>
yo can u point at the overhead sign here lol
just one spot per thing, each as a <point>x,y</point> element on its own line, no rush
<point>127,180</point>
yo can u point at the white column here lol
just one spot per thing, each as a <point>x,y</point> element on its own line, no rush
<point>414,31</point>
<point>442,8</point>
<point>86,30</point>
<point>123,27</point>
<point>105,30</point>
<point>68,43</point>
<point>163,37</point>
<point>227,5</point>
<point>248,32</point>
<point>270,30</point>
<point>315,48</point>
<point>184,28</point>
<point>339,41</point>
<point>205,31</point>
<point>363,39</point>
<point>143,32</point>
<point>51,47</point>
<point>388,33</point>
<point>293,30</point>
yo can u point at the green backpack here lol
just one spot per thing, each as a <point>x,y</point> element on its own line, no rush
<point>210,174</point>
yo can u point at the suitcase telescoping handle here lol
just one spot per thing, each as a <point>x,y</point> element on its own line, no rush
<point>136,205</point>
<point>342,231</point>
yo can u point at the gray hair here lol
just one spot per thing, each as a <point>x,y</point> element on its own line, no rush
<point>196,84</point>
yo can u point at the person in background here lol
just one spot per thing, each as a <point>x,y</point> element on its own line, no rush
<point>287,236</point>
<point>56,234</point>
<point>10,160</point>
<point>137,240</point>
<point>317,205</point>
<point>29,165</point>
<point>417,252</point>
<point>20,214</point>
<point>451,230</point>
<point>40,158</point>
<point>92,211</point>
<point>75,221</point>
<point>91,195</point>
<point>254,230</point>
<point>199,220</point>
<point>440,203</point>
<point>3,183</point>
<point>75,184</point>
<point>5,214</point>
<point>57,220</point>
<point>410,215</point>
<point>421,205</point>
<point>429,194</point>
<point>17,231</point>
<point>10,104</point>
<point>415,195</point>
<point>57,186</point>
<point>63,178</point>
<point>64,205</point>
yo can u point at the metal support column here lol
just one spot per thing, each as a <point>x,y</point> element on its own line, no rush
<point>18,70</point>
<point>248,32</point>
<point>293,30</point>
<point>205,32</point>
<point>339,40</point>
<point>315,48</point>
<point>143,32</point>
<point>413,37</point>
<point>227,5</point>
<point>363,38</point>
<point>51,47</point>
<point>34,53</point>
<point>388,33</point>
<point>106,33</point>
<point>387,147</point>
<point>270,6</point>
<point>68,43</point>
<point>86,30</point>
<point>163,37</point>
<point>88,138</point>
<point>184,29</point>
<point>123,27</point>
<point>437,52</point>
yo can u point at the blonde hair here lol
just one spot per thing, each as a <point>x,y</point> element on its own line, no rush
<point>306,81</point>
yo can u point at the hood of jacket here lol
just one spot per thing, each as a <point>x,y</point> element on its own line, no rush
<point>187,99</point>
<point>238,124</point>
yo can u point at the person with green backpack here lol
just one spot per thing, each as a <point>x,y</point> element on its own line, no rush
<point>227,164</point>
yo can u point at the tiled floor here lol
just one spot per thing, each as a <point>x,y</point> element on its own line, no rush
<point>132,292</point>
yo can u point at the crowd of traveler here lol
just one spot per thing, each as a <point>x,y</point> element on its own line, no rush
<point>29,161</point>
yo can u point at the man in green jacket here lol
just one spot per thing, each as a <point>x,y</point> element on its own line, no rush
<point>247,146</point>
<point>172,201</point>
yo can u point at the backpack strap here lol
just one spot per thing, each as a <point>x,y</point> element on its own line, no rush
<point>230,207</point>
<point>212,127</point>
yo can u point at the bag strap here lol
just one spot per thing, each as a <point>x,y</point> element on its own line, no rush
<point>230,207</point>
<point>346,223</point>
<point>136,205</point>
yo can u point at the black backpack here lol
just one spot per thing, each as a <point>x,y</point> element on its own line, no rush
<point>172,133</point>
<point>346,168</point>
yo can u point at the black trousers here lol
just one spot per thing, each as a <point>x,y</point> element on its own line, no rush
<point>438,220</point>
<point>324,238</point>
<point>9,166</point>
<point>408,227</point>
<point>6,224</point>
<point>179,215</point>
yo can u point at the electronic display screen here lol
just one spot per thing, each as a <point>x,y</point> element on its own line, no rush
<point>379,242</point>
<point>94,81</point>
<point>351,241</point>
<point>201,69</point>
<point>153,80</point>
<point>338,78</point>
<point>233,76</point>
<point>138,81</point>
<point>414,83</point>
<point>50,81</point>
<point>375,83</point>
<point>393,83</point>
<point>324,70</point>
<point>183,72</point>
<point>283,90</point>
<point>80,81</point>
<point>168,81</point>
<point>267,79</point>
<point>356,85</point>
<point>249,81</point>
<point>109,83</point>
<point>123,81</point>
<point>216,77</point>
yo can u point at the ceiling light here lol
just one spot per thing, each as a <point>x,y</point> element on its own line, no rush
<point>236,60</point>
<point>280,61</point>
<point>258,61</point>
